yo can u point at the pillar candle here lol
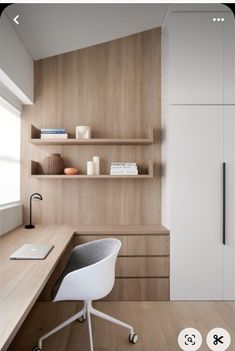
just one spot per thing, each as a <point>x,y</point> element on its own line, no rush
<point>96,161</point>
<point>83,132</point>
<point>90,168</point>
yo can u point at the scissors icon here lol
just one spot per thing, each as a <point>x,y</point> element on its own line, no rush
<point>217,339</point>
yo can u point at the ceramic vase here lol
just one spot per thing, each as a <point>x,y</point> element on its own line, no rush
<point>53,164</point>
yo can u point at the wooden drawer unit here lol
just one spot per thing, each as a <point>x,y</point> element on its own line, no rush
<point>143,267</point>
<point>134,245</point>
<point>136,289</point>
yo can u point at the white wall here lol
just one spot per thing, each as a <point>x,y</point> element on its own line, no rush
<point>6,95</point>
<point>16,65</point>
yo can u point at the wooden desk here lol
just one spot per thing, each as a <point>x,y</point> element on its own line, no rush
<point>21,281</point>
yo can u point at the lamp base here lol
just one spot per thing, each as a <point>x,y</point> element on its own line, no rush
<point>29,226</point>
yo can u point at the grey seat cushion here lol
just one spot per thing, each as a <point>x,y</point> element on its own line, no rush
<point>83,256</point>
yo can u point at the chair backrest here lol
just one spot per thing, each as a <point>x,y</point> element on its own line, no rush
<point>94,251</point>
<point>90,272</point>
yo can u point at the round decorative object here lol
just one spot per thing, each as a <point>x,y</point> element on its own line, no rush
<point>53,164</point>
<point>70,171</point>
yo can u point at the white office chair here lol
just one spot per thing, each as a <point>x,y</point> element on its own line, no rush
<point>89,275</point>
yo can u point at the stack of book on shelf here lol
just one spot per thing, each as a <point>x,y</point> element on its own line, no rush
<point>123,168</point>
<point>54,133</point>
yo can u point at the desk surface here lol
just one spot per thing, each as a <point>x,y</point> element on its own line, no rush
<point>21,281</point>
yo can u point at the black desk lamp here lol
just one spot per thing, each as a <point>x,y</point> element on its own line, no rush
<point>34,196</point>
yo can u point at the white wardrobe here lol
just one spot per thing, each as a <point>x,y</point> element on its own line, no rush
<point>198,110</point>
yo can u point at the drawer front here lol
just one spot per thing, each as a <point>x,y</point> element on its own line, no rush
<point>142,267</point>
<point>139,245</point>
<point>137,289</point>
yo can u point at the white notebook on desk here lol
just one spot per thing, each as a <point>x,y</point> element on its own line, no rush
<point>32,252</point>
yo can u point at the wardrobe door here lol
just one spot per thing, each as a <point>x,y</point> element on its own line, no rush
<point>229,58</point>
<point>196,58</point>
<point>196,144</point>
<point>229,246</point>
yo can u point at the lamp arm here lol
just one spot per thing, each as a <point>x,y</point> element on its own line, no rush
<point>37,194</point>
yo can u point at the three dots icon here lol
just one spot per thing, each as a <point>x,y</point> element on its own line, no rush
<point>218,19</point>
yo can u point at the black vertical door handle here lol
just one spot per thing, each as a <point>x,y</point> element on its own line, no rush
<point>224,203</point>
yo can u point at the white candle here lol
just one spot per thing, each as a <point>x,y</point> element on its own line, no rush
<point>96,161</point>
<point>90,168</point>
<point>83,132</point>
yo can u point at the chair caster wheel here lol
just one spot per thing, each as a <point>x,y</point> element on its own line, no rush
<point>36,348</point>
<point>82,319</point>
<point>133,338</point>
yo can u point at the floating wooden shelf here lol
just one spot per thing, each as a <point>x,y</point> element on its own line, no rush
<point>35,139</point>
<point>35,174</point>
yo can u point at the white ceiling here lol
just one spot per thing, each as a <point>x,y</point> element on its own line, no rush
<point>52,29</point>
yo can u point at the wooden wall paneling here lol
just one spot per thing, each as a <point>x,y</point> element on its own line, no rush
<point>115,88</point>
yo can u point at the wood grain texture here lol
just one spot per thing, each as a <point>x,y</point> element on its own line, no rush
<point>142,267</point>
<point>156,229</point>
<point>130,264</point>
<point>35,139</point>
<point>139,289</point>
<point>143,245</point>
<point>157,324</point>
<point>115,88</point>
<point>36,172</point>
<point>22,281</point>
